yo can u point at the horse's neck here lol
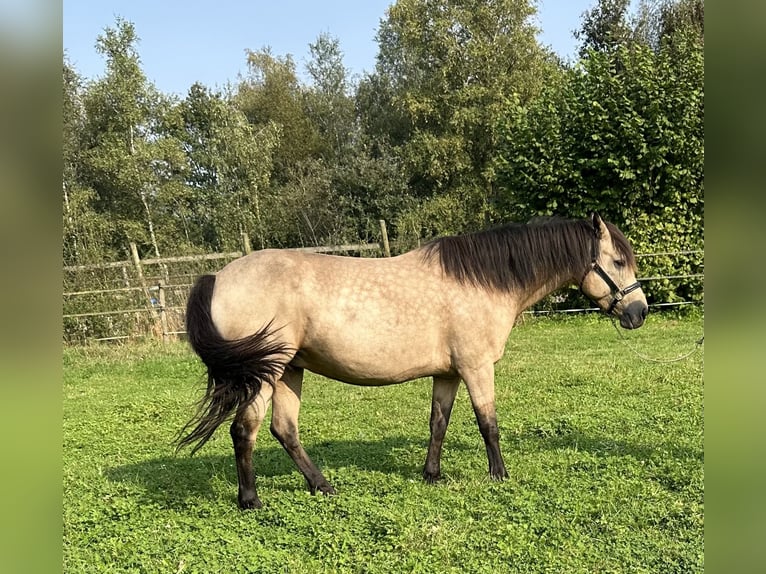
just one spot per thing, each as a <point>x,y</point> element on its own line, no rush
<point>535,293</point>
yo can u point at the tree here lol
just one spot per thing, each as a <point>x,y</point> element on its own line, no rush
<point>358,182</point>
<point>272,94</point>
<point>604,27</point>
<point>229,170</point>
<point>126,159</point>
<point>86,232</point>
<point>659,23</point>
<point>327,102</point>
<point>446,67</point>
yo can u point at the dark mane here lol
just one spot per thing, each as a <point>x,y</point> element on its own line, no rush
<point>519,256</point>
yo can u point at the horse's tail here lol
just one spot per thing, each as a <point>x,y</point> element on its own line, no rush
<point>236,368</point>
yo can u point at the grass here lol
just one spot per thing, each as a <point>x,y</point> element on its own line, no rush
<point>604,451</point>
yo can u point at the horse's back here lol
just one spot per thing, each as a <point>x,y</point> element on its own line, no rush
<point>287,283</point>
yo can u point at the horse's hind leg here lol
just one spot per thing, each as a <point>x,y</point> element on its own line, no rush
<point>243,432</point>
<point>480,383</point>
<point>284,426</point>
<point>444,393</point>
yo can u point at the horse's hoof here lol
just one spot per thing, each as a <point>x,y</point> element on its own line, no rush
<point>499,475</point>
<point>431,478</point>
<point>249,503</point>
<point>326,489</point>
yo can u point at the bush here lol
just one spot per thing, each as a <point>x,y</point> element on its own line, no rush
<point>621,134</point>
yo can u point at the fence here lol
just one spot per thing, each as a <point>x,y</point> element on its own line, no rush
<point>147,297</point>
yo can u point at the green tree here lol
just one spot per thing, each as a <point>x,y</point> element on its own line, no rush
<point>315,124</point>
<point>605,27</point>
<point>659,23</point>
<point>272,94</point>
<point>354,176</point>
<point>446,67</point>
<point>86,232</point>
<point>384,124</point>
<point>126,159</point>
<point>229,170</point>
<point>328,104</point>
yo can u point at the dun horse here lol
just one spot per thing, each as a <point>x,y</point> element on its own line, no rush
<point>444,310</point>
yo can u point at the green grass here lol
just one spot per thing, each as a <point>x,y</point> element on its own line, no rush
<point>604,451</point>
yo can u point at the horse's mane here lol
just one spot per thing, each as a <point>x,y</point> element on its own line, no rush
<point>518,255</point>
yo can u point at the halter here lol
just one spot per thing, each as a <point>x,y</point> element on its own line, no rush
<point>616,293</point>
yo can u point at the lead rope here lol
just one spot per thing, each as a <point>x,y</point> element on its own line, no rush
<point>697,346</point>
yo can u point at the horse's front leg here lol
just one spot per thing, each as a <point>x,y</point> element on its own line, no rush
<point>480,383</point>
<point>244,431</point>
<point>444,393</point>
<point>284,426</point>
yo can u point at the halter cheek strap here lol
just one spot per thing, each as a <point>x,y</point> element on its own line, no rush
<point>616,293</point>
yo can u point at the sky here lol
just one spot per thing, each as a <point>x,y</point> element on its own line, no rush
<point>183,42</point>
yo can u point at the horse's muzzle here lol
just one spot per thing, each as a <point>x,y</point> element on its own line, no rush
<point>633,315</point>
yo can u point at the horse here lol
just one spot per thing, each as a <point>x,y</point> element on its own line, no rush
<point>443,310</point>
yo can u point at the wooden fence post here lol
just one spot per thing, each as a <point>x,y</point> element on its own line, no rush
<point>384,239</point>
<point>163,313</point>
<point>246,247</point>
<point>142,280</point>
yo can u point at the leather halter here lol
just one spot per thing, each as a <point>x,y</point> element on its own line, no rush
<point>616,293</point>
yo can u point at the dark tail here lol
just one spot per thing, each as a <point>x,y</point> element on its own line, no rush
<point>236,368</point>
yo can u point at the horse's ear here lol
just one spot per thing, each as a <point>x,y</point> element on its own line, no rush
<point>599,228</point>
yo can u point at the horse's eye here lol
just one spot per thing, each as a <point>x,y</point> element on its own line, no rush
<point>619,263</point>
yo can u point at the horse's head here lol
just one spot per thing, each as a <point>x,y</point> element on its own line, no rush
<point>610,279</point>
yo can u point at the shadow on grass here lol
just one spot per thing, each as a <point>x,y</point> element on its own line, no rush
<point>170,481</point>
<point>562,435</point>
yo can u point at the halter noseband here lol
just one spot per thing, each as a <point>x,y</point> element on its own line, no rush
<point>616,293</point>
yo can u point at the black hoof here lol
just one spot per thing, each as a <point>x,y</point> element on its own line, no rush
<point>249,503</point>
<point>431,478</point>
<point>499,475</point>
<point>326,489</point>
<point>323,488</point>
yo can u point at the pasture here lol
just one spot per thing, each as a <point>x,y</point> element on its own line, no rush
<point>605,455</point>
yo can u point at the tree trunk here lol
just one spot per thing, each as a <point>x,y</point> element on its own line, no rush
<point>150,223</point>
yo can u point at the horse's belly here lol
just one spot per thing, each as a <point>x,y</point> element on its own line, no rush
<point>377,365</point>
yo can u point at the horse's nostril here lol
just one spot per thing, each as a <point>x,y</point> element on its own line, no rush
<point>644,312</point>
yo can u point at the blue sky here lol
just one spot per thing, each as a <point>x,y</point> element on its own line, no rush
<point>185,42</point>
